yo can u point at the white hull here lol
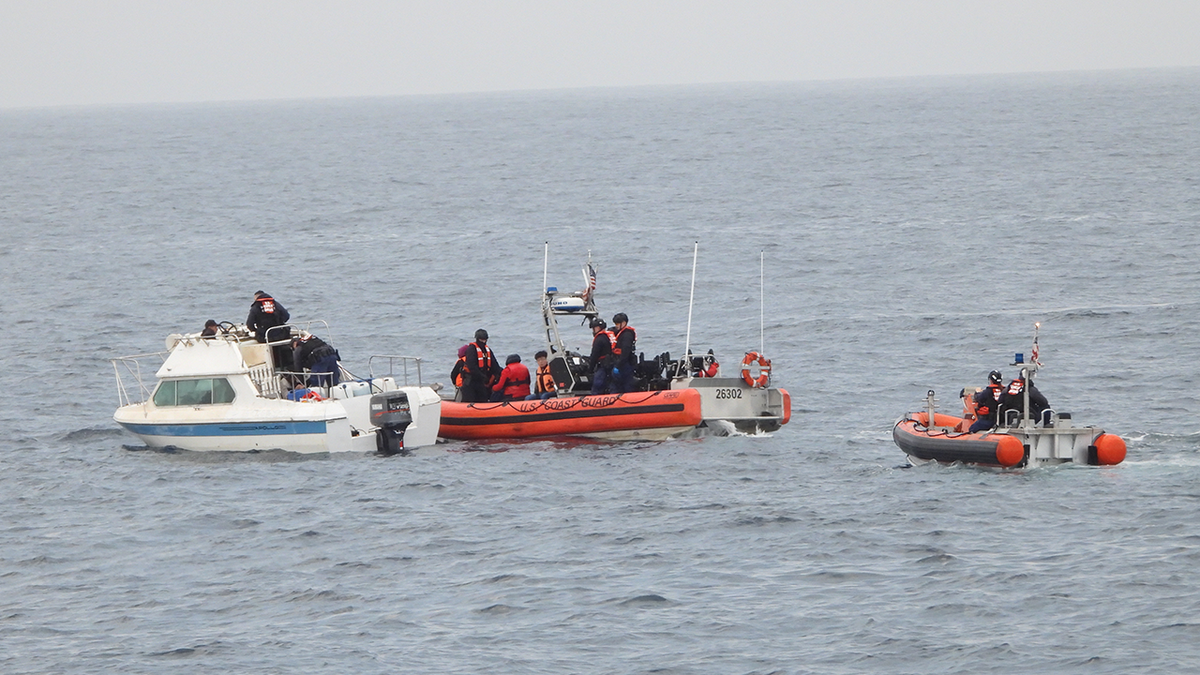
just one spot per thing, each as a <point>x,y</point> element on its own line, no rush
<point>223,395</point>
<point>302,427</point>
<point>729,399</point>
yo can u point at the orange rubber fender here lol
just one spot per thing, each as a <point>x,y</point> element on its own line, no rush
<point>1009,450</point>
<point>1110,449</point>
<point>764,370</point>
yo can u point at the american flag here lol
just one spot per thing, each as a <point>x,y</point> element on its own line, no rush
<point>589,277</point>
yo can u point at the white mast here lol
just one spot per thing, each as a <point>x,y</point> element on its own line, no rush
<point>687,345</point>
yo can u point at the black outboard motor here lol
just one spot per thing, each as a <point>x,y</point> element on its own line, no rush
<point>390,412</point>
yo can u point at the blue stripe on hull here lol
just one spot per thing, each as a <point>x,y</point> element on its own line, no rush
<point>228,429</point>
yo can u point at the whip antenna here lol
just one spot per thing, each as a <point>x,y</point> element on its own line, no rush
<point>687,345</point>
<point>762,340</point>
<point>545,266</point>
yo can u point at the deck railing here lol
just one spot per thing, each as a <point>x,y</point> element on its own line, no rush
<point>131,387</point>
<point>392,361</point>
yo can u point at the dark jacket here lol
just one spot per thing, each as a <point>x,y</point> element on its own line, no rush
<point>480,368</point>
<point>1013,398</point>
<point>987,401</point>
<point>602,346</point>
<point>311,350</point>
<point>623,352</point>
<point>265,313</point>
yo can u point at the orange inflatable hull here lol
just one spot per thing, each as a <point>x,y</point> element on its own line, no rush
<point>609,414</point>
<point>951,441</point>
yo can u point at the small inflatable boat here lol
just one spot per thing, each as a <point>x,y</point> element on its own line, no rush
<point>651,415</point>
<point>1018,440</point>
<point>948,441</point>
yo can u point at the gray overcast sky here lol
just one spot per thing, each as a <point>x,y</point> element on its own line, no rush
<point>55,52</point>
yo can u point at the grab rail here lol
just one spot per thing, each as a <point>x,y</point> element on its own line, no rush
<point>132,367</point>
<point>392,359</point>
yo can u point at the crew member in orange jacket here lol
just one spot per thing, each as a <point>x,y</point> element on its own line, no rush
<point>514,381</point>
<point>624,358</point>
<point>544,381</point>
<point>601,358</point>
<point>480,370</point>
<point>987,402</point>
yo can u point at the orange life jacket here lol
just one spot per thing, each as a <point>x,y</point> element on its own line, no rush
<point>458,370</point>
<point>545,379</point>
<point>485,356</point>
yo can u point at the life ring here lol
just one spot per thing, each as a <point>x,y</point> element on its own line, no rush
<point>764,370</point>
<point>312,395</point>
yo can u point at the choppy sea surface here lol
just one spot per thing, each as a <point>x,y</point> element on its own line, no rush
<point>912,231</point>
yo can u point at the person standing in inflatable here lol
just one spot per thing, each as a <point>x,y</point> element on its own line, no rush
<point>624,356</point>
<point>457,374</point>
<point>480,370</point>
<point>987,403</point>
<point>601,357</point>
<point>514,381</point>
<point>1013,398</point>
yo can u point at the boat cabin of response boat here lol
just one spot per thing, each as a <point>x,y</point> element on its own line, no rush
<point>224,393</point>
<point>672,397</point>
<point>1019,439</point>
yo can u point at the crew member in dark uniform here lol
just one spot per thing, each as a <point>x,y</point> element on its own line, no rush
<point>601,358</point>
<point>624,356</point>
<point>1013,398</point>
<point>480,370</point>
<point>313,353</point>
<point>987,403</point>
<point>266,314</point>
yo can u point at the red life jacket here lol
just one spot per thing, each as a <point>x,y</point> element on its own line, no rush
<point>514,381</point>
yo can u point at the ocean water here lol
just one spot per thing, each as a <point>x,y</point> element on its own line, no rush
<point>911,232</point>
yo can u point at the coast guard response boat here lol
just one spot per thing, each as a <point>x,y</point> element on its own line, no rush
<point>672,397</point>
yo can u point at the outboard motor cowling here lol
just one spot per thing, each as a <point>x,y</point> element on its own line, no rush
<point>391,414</point>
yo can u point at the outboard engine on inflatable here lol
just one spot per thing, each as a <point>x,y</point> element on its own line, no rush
<point>391,413</point>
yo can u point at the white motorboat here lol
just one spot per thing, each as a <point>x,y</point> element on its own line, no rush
<point>224,393</point>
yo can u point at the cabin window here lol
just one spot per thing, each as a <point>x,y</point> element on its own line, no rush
<point>193,392</point>
<point>165,394</point>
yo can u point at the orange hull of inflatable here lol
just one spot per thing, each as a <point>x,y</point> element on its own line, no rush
<point>573,416</point>
<point>982,447</point>
<point>953,443</point>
